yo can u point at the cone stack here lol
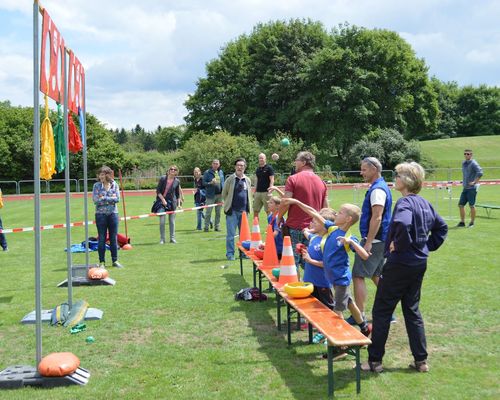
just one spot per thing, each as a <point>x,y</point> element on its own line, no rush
<point>256,239</point>
<point>244,228</point>
<point>288,270</point>
<point>270,259</point>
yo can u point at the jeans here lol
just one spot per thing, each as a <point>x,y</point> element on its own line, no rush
<point>296,236</point>
<point>3,241</point>
<point>199,216</point>
<point>233,221</point>
<point>208,213</point>
<point>171,225</point>
<point>398,282</point>
<point>107,223</point>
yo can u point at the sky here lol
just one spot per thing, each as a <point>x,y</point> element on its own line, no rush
<point>143,58</point>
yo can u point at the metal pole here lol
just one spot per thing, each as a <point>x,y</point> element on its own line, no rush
<point>67,184</point>
<point>36,177</point>
<point>85,176</point>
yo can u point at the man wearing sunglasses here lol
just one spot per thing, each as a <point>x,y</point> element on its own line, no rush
<point>471,172</point>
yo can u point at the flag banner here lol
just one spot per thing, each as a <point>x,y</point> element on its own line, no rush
<point>51,76</point>
<point>76,80</point>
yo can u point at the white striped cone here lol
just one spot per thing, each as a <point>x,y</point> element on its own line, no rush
<point>288,269</point>
<point>256,239</point>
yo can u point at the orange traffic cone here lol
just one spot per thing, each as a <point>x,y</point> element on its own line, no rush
<point>288,270</point>
<point>244,228</point>
<point>256,240</point>
<point>270,259</point>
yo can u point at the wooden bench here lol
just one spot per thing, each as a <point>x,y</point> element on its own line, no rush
<point>335,329</point>
<point>488,208</point>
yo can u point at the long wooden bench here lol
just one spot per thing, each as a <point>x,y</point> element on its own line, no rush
<point>488,208</point>
<point>335,329</point>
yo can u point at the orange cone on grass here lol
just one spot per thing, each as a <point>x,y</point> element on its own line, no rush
<point>244,228</point>
<point>288,270</point>
<point>270,259</point>
<point>256,239</point>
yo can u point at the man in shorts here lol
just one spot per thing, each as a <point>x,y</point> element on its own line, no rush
<point>265,179</point>
<point>471,172</point>
<point>373,226</point>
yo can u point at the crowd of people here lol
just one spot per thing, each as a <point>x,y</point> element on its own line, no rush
<point>392,251</point>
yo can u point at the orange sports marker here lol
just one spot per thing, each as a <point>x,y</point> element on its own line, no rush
<point>256,239</point>
<point>288,269</point>
<point>244,228</point>
<point>270,259</point>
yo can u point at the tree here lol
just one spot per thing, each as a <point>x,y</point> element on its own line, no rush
<point>170,138</point>
<point>447,95</point>
<point>478,111</point>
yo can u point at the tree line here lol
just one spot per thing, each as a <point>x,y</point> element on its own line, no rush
<point>342,94</point>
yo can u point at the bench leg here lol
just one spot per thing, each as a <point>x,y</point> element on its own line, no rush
<point>358,372</point>
<point>330,371</point>
<point>241,263</point>
<point>488,211</point>
<point>260,281</point>
<point>254,267</point>
<point>310,329</point>
<point>278,309</point>
<point>289,323</point>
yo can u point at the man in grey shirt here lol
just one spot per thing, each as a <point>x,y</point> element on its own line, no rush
<point>471,172</point>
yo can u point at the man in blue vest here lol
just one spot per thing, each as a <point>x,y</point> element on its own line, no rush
<point>373,226</point>
<point>213,181</point>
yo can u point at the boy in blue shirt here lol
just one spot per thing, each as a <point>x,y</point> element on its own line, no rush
<point>335,258</point>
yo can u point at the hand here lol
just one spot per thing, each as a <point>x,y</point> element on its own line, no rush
<point>368,247</point>
<point>306,257</point>
<point>472,183</point>
<point>164,202</point>
<point>344,240</point>
<point>271,189</point>
<point>392,247</point>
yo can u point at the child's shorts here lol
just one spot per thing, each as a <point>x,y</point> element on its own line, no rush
<point>341,297</point>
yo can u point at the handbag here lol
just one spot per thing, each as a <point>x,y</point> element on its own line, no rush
<point>157,204</point>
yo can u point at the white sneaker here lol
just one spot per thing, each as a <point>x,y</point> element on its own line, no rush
<point>162,241</point>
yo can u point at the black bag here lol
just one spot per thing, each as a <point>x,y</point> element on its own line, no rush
<point>158,206</point>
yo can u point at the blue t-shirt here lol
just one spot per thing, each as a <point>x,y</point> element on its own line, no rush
<point>240,194</point>
<point>278,239</point>
<point>312,273</point>
<point>335,257</point>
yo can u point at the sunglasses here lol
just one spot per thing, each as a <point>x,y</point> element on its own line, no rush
<point>467,154</point>
<point>173,169</point>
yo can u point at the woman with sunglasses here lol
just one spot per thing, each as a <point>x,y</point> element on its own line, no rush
<point>169,193</point>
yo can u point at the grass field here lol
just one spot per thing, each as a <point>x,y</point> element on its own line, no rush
<point>172,330</point>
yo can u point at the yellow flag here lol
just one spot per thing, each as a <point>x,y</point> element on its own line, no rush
<point>48,151</point>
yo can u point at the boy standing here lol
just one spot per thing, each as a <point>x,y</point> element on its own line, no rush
<point>335,258</point>
<point>273,205</point>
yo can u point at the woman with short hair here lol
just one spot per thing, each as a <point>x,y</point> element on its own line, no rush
<point>415,230</point>
<point>105,195</point>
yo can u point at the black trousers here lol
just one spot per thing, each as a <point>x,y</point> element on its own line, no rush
<point>398,282</point>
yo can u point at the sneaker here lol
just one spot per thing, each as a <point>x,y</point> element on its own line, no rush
<point>230,258</point>
<point>205,230</point>
<point>461,225</point>
<point>116,264</point>
<point>393,319</point>
<point>5,249</point>
<point>372,366</point>
<point>419,366</point>
<point>217,229</point>
<point>102,265</point>
<point>471,224</point>
<point>318,338</point>
<point>162,241</point>
<point>173,241</point>
<point>211,225</point>
<point>367,331</point>
<point>351,320</point>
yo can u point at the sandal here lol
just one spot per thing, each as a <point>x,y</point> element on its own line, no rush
<point>372,366</point>
<point>318,338</point>
<point>420,366</point>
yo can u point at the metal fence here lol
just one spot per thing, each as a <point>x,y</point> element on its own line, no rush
<point>187,181</point>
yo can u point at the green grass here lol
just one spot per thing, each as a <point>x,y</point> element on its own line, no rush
<point>448,153</point>
<point>172,330</point>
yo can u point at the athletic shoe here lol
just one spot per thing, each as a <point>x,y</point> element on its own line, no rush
<point>5,249</point>
<point>461,225</point>
<point>419,366</point>
<point>351,320</point>
<point>318,338</point>
<point>162,241</point>
<point>393,319</point>
<point>116,264</point>
<point>230,258</point>
<point>372,366</point>
<point>102,265</point>
<point>173,241</point>
<point>471,224</point>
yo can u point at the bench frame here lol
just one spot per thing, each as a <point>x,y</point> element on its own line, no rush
<point>488,208</point>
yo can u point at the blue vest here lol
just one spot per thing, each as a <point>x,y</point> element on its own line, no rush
<point>366,211</point>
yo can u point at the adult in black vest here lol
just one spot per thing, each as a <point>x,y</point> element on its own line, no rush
<point>170,193</point>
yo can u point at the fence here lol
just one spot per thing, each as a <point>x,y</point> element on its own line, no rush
<point>187,181</point>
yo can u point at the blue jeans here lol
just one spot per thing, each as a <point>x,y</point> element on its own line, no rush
<point>107,223</point>
<point>199,216</point>
<point>3,241</point>
<point>233,221</point>
<point>296,236</point>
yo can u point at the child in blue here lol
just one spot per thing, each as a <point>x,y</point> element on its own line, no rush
<point>335,258</point>
<point>313,259</point>
<point>273,205</point>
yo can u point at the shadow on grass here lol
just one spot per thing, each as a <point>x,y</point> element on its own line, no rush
<point>295,368</point>
<point>6,299</point>
<point>208,260</point>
